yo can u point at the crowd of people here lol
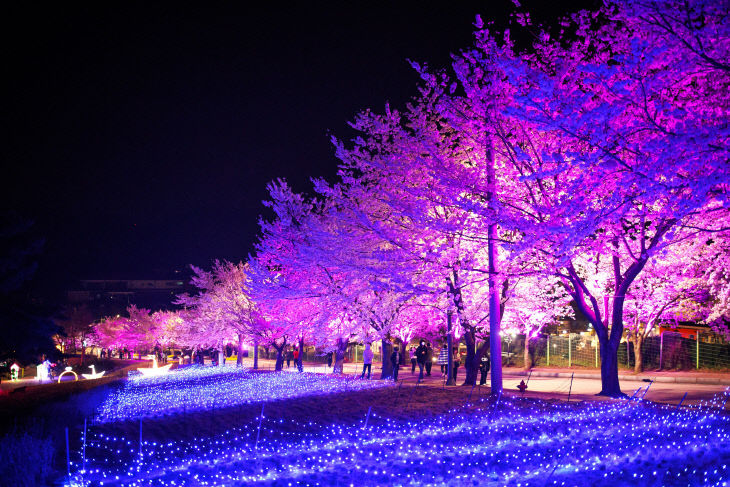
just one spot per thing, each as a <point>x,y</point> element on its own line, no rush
<point>423,358</point>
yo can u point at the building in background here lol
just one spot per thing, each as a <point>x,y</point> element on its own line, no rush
<point>106,297</point>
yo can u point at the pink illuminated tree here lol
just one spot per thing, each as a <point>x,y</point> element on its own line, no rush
<point>223,305</point>
<point>533,303</point>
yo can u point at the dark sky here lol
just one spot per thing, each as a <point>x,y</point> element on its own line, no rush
<point>140,137</point>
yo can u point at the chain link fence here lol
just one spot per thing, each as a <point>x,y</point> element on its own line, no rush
<point>670,351</point>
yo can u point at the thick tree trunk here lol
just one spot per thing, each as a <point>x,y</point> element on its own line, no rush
<point>638,357</point>
<point>471,365</point>
<point>405,357</point>
<point>279,360</point>
<point>339,356</point>
<point>239,357</point>
<point>387,367</point>
<point>528,358</point>
<point>609,370</point>
<point>279,355</point>
<point>255,353</point>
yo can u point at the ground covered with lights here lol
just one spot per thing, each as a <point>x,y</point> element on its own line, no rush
<point>328,430</point>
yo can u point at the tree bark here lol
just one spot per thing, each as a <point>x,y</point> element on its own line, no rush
<point>387,367</point>
<point>279,356</point>
<point>471,365</point>
<point>255,353</point>
<point>609,370</point>
<point>339,356</point>
<point>239,357</point>
<point>528,358</point>
<point>638,356</point>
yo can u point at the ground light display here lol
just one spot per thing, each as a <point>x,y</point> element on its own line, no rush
<point>495,441</point>
<point>205,388</point>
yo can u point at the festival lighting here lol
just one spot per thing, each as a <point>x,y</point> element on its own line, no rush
<point>202,388</point>
<point>94,374</point>
<point>513,442</point>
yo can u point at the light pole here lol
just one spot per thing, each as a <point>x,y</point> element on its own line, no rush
<point>449,343</point>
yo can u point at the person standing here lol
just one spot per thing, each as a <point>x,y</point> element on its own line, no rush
<point>443,359</point>
<point>429,359</point>
<point>483,369</point>
<point>395,361</point>
<point>367,360</point>
<point>421,359</point>
<point>329,359</point>
<point>456,362</point>
<point>413,360</point>
<point>289,356</point>
<point>295,355</point>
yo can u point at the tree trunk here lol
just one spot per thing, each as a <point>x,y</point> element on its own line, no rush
<point>528,358</point>
<point>255,353</point>
<point>609,370</point>
<point>405,358</point>
<point>279,355</point>
<point>339,356</point>
<point>471,366</point>
<point>638,357</point>
<point>387,367</point>
<point>239,357</point>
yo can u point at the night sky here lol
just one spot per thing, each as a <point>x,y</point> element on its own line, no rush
<point>140,137</point>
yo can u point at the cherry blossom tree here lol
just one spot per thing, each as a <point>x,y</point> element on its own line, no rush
<point>533,303</point>
<point>223,305</point>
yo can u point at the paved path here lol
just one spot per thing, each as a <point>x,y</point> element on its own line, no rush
<point>583,388</point>
<point>668,387</point>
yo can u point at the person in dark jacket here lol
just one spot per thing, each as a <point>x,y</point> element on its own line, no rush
<point>289,356</point>
<point>395,360</point>
<point>456,362</point>
<point>421,359</point>
<point>483,369</point>
<point>429,359</point>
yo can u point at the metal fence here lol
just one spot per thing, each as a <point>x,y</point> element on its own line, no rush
<point>668,352</point>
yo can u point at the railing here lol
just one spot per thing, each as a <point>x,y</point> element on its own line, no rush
<point>670,352</point>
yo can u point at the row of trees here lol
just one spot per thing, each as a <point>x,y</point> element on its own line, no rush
<point>593,163</point>
<point>590,167</point>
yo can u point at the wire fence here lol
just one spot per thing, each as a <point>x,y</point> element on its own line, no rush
<point>670,351</point>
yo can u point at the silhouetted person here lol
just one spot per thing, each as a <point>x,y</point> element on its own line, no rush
<point>421,359</point>
<point>395,360</point>
<point>429,359</point>
<point>483,370</point>
<point>367,360</point>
